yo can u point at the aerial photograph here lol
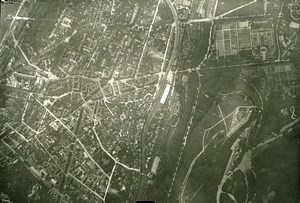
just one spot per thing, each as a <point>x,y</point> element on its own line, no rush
<point>158,101</point>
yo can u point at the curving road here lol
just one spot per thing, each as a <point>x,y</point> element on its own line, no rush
<point>156,104</point>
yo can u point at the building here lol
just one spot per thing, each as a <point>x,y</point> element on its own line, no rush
<point>155,165</point>
<point>184,2</point>
<point>294,25</point>
<point>165,94</point>
<point>153,172</point>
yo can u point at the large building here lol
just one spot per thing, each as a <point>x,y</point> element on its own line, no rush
<point>155,164</point>
<point>153,172</point>
<point>165,94</point>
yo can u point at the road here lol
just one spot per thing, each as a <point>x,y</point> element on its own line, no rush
<point>12,23</point>
<point>285,130</point>
<point>156,104</point>
<point>147,38</point>
<point>256,150</point>
<point>184,139</point>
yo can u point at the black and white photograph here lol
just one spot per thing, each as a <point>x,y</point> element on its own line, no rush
<point>149,101</point>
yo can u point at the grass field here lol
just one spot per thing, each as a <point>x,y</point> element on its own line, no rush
<point>227,5</point>
<point>256,8</point>
<point>277,169</point>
